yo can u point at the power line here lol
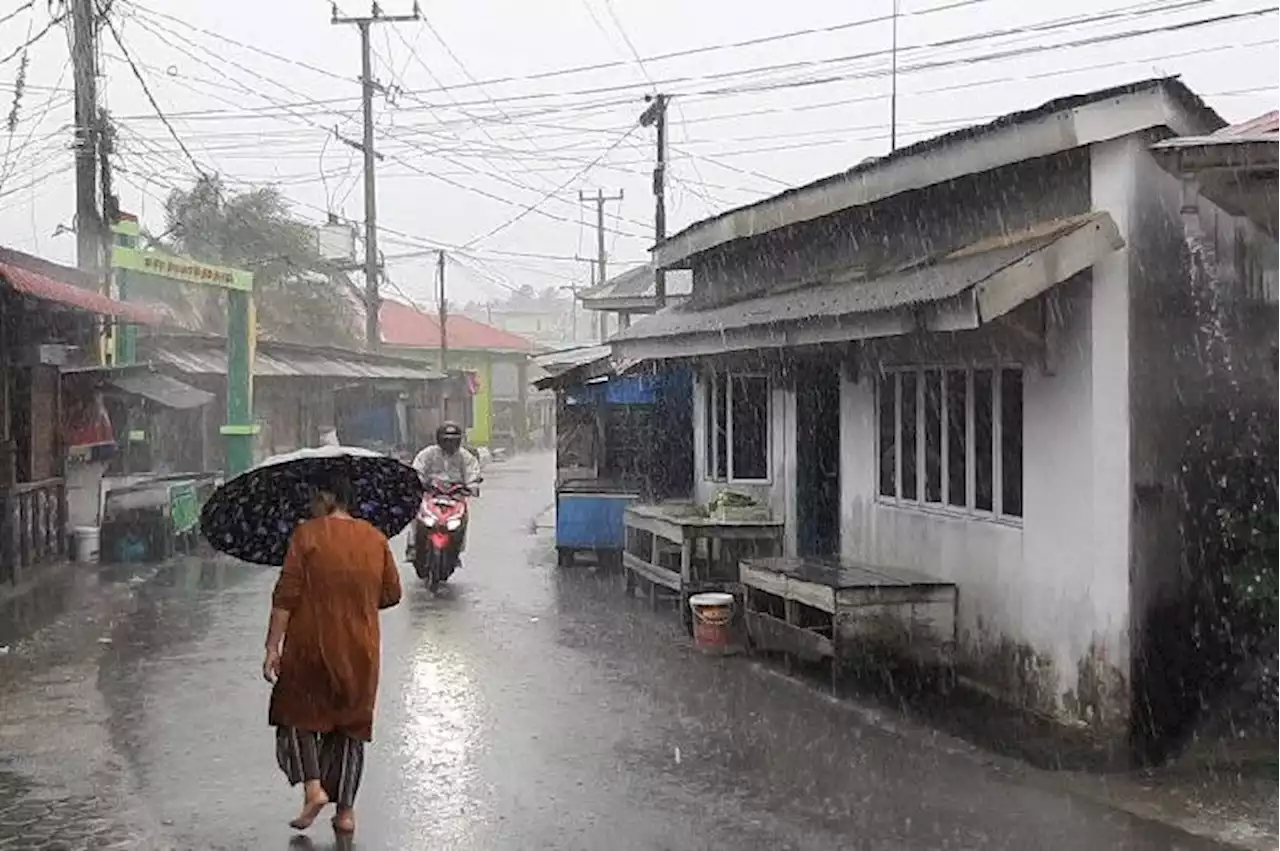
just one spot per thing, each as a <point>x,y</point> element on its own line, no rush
<point>31,41</point>
<point>16,12</point>
<point>115,34</point>
<point>563,186</point>
<point>613,15</point>
<point>227,40</point>
<point>1141,10</point>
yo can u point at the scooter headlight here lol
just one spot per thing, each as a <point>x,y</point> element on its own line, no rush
<point>427,520</point>
<point>453,524</point>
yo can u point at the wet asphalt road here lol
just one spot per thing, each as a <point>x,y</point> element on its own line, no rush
<point>525,707</point>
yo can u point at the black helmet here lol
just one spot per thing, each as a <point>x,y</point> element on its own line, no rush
<point>449,436</point>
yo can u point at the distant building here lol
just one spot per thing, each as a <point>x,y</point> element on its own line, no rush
<point>498,360</point>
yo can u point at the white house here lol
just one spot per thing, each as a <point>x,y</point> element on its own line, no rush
<point>969,357</point>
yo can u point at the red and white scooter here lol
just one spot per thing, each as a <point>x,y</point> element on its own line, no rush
<point>436,542</point>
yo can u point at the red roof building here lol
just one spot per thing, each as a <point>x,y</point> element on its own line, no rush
<point>407,327</point>
<point>66,287</point>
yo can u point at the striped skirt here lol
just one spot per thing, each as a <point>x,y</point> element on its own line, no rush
<point>334,759</point>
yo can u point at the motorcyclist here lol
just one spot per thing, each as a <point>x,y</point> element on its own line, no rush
<point>448,460</point>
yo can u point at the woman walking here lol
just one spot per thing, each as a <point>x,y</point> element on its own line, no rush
<point>324,651</point>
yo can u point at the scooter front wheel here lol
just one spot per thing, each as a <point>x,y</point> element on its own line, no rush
<point>435,569</point>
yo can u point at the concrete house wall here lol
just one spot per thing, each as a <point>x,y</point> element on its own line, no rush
<point>1058,607</point>
<point>1050,604</point>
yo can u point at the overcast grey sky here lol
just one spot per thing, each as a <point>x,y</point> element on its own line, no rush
<point>465,160</point>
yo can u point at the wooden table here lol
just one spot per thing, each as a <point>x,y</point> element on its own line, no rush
<point>664,545</point>
<point>824,608</point>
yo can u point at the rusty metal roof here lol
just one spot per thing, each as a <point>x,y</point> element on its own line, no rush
<point>206,356</point>
<point>1267,124</point>
<point>850,293</point>
<point>47,288</point>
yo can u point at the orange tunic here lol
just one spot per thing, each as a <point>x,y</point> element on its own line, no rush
<point>338,573</point>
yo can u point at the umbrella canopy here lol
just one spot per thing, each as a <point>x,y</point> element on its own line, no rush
<point>253,516</point>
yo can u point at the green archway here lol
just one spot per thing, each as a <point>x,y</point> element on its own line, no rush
<point>239,429</point>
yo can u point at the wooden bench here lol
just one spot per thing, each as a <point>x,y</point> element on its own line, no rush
<point>675,547</point>
<point>812,609</point>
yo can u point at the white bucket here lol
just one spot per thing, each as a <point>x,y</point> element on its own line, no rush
<point>713,623</point>
<point>711,600</point>
<point>88,543</point>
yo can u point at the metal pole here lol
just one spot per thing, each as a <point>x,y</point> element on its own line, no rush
<point>372,298</point>
<point>444,316</point>
<point>893,83</point>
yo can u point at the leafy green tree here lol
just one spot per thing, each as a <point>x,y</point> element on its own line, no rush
<point>300,298</point>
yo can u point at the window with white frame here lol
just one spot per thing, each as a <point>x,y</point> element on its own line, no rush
<point>737,427</point>
<point>952,438</point>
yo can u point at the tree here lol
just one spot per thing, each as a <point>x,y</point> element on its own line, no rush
<point>300,298</point>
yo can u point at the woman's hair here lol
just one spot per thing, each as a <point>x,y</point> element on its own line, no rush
<point>333,489</point>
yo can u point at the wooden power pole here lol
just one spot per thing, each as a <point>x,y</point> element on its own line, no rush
<point>655,115</point>
<point>84,62</point>
<point>372,299</point>
<point>602,262</point>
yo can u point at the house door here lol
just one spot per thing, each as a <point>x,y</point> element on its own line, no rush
<point>818,463</point>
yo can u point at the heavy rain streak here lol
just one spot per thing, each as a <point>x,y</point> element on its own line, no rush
<point>639,425</point>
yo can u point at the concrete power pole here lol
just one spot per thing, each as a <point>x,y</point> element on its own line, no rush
<point>656,115</point>
<point>443,307</point>
<point>602,262</point>
<point>84,60</point>
<point>893,82</point>
<point>373,301</point>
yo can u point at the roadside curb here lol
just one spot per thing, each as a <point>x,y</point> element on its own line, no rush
<point>1122,792</point>
<point>1127,794</point>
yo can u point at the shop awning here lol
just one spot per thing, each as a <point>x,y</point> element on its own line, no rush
<point>49,289</point>
<point>162,389</point>
<point>959,291</point>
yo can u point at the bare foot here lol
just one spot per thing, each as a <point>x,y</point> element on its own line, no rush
<point>345,820</point>
<point>312,804</point>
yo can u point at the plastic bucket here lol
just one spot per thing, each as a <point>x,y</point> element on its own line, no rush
<point>712,622</point>
<point>88,543</point>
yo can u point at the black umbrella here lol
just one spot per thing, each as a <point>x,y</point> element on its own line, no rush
<point>253,516</point>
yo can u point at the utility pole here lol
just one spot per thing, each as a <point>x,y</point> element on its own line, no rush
<point>602,262</point>
<point>444,315</point>
<point>656,115</point>
<point>373,302</point>
<point>84,60</point>
<point>893,84</point>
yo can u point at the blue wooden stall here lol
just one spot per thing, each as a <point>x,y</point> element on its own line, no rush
<point>603,434</point>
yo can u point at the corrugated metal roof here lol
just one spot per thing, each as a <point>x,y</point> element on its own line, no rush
<point>169,392</point>
<point>50,289</point>
<point>778,210</point>
<point>564,359</point>
<point>846,295</point>
<point>197,357</point>
<point>638,282</point>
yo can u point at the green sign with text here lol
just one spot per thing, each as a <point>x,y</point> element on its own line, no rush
<point>184,507</point>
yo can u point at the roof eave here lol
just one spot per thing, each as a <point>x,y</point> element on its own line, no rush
<point>1055,132</point>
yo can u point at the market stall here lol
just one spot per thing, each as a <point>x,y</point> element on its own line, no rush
<point>602,433</point>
